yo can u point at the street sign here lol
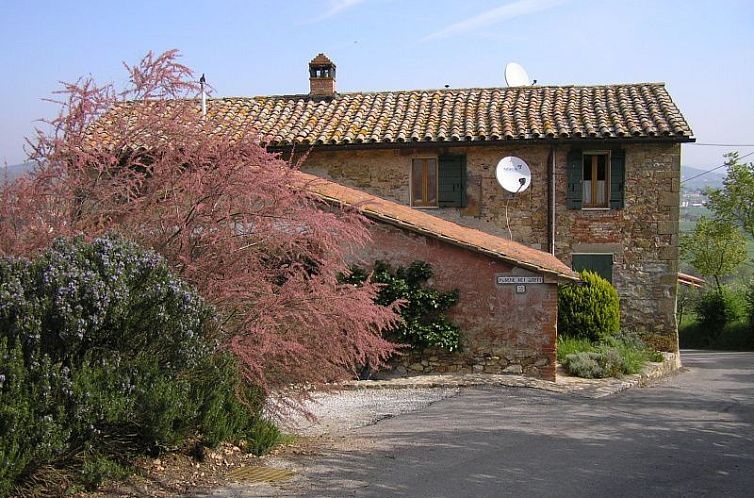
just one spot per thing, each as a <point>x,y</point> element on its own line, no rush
<point>517,280</point>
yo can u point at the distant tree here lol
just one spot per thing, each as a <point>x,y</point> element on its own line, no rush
<point>715,248</point>
<point>735,201</point>
<point>232,219</point>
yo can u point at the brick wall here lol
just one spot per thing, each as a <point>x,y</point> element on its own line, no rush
<point>503,332</point>
<point>643,237</point>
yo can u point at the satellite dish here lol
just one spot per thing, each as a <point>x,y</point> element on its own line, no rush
<point>516,75</point>
<point>513,174</point>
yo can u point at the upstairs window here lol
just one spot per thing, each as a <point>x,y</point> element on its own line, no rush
<point>595,183</point>
<point>424,182</point>
<point>595,179</point>
<point>439,182</point>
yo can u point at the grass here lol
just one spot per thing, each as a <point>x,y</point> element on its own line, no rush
<point>571,345</point>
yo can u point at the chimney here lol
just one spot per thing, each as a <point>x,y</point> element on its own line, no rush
<point>321,77</point>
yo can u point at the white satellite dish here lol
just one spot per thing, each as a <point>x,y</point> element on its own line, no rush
<point>513,174</point>
<point>516,75</point>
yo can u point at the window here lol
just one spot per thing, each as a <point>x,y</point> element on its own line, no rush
<point>439,182</point>
<point>424,182</point>
<point>601,264</point>
<point>595,186</point>
<point>595,179</point>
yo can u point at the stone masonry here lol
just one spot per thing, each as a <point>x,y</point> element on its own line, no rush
<point>642,237</point>
<point>503,331</point>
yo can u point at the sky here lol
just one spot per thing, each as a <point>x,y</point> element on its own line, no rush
<point>702,51</point>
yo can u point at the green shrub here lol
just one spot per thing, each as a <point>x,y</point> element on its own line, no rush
<point>585,364</point>
<point>262,437</point>
<point>749,297</point>
<point>424,321</point>
<point>736,336</point>
<point>623,354</point>
<point>632,359</point>
<point>605,362</point>
<point>98,469</point>
<point>717,308</point>
<point>33,426</point>
<point>589,310</point>
<point>104,350</point>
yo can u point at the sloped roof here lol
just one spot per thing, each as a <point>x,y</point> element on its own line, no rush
<point>421,222</point>
<point>321,60</point>
<point>635,111</point>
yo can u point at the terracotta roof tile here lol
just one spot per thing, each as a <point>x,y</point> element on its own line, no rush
<point>642,110</point>
<point>432,226</point>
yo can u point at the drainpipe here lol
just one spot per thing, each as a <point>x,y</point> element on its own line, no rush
<point>551,201</point>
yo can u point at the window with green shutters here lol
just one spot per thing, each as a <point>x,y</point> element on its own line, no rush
<point>601,264</point>
<point>452,179</point>
<point>439,182</point>
<point>595,179</point>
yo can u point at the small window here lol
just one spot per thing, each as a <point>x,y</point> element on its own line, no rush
<point>596,180</point>
<point>601,264</point>
<point>424,182</point>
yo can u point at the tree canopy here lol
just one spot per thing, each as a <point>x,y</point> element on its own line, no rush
<point>735,201</point>
<point>231,218</point>
<point>716,248</point>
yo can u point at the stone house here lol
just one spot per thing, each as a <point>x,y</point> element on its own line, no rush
<point>508,305</point>
<point>605,163</point>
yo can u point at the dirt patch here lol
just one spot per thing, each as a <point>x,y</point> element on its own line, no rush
<point>181,473</point>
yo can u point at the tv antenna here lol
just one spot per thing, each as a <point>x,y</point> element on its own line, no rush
<point>514,175</point>
<point>516,75</point>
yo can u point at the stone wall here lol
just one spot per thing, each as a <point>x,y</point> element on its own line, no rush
<point>643,237</point>
<point>503,331</point>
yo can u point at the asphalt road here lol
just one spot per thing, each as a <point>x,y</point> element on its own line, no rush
<point>690,435</point>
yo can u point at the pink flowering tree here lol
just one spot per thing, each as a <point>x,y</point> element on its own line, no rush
<point>232,219</point>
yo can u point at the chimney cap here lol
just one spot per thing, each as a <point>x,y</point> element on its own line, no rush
<point>321,60</point>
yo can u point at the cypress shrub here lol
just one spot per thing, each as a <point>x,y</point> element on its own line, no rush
<point>590,309</point>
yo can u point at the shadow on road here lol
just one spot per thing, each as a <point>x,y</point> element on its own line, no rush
<point>689,436</point>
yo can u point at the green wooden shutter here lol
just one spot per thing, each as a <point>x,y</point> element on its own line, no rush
<point>617,178</point>
<point>601,264</point>
<point>573,167</point>
<point>452,181</point>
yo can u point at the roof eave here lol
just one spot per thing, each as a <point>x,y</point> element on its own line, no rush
<point>481,143</point>
<point>560,276</point>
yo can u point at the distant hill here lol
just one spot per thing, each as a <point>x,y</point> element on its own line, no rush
<point>700,179</point>
<point>15,170</point>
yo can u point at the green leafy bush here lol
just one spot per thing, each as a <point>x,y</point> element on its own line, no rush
<point>736,336</point>
<point>605,362</point>
<point>585,364</point>
<point>424,321</point>
<point>749,297</point>
<point>104,351</point>
<point>719,307</point>
<point>589,310</point>
<point>623,354</point>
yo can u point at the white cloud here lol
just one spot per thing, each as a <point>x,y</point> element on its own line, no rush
<point>334,7</point>
<point>494,16</point>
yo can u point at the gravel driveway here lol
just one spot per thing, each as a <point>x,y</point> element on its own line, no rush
<point>340,412</point>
